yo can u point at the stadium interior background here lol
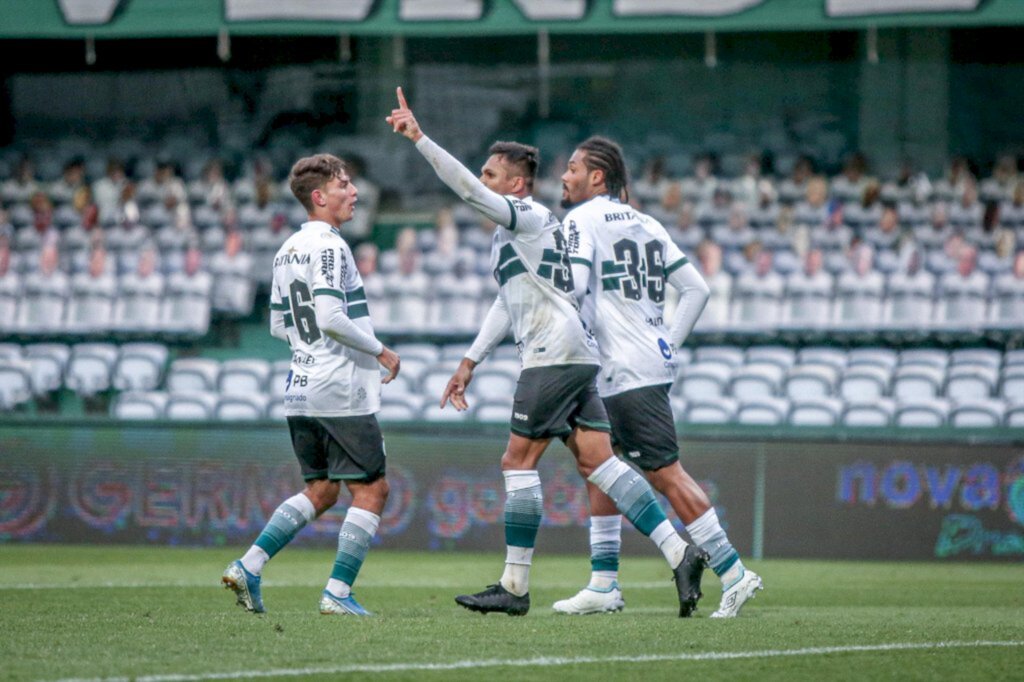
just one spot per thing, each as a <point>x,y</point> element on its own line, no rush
<point>882,378</point>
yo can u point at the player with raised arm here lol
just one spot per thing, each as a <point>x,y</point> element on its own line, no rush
<point>622,261</point>
<point>555,395</point>
<point>318,306</point>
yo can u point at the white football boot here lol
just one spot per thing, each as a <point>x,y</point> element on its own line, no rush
<point>590,600</point>
<point>736,596</point>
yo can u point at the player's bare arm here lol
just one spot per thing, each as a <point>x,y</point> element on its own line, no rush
<point>455,391</point>
<point>390,361</point>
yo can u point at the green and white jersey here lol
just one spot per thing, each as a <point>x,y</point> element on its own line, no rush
<point>529,260</point>
<point>630,257</point>
<point>327,378</point>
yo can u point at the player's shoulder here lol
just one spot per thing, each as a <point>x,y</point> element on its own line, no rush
<point>527,205</point>
<point>586,212</point>
<point>530,215</point>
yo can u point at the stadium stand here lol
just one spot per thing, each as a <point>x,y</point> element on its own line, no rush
<point>837,301</point>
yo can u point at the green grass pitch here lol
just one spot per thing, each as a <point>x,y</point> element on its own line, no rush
<point>160,614</point>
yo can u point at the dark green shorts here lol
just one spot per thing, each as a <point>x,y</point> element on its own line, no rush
<point>643,427</point>
<point>338,448</point>
<point>551,401</point>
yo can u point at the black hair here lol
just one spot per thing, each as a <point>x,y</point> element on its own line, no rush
<point>525,158</point>
<point>605,155</point>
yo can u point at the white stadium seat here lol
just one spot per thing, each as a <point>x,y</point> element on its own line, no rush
<point>877,412</point>
<point>729,356</point>
<point>148,405</point>
<point>1011,386</point>
<point>921,412</point>
<point>862,383</point>
<point>879,357</point>
<point>400,408</point>
<point>140,366</point>
<point>776,355</point>
<point>1015,416</point>
<point>811,381</point>
<point>710,410</point>
<point>91,367</point>
<point>976,356</point>
<point>930,357</point>
<point>15,383</point>
<point>49,362</point>
<point>703,380</point>
<point>493,384</point>
<point>819,411</point>
<point>243,377</point>
<point>823,355</point>
<point>971,381</point>
<point>493,411</point>
<point>917,381</point>
<point>756,381</point>
<point>242,407</point>
<point>193,374</point>
<point>978,412</point>
<point>763,410</point>
<point>191,406</point>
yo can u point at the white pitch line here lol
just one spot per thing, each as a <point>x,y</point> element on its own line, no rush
<point>411,584</point>
<point>554,661</point>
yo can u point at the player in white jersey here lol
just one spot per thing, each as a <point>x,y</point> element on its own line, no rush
<point>622,261</point>
<point>555,395</point>
<point>332,395</point>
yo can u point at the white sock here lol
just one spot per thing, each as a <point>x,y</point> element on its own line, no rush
<point>605,537</point>
<point>669,542</point>
<point>516,578</point>
<point>602,581</point>
<point>255,559</point>
<point>707,533</point>
<point>338,588</point>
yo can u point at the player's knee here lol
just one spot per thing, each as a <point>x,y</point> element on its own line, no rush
<point>382,489</point>
<point>323,495</point>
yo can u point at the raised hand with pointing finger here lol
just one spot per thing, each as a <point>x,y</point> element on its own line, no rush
<point>402,119</point>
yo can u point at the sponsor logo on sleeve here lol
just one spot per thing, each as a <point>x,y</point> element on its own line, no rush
<point>573,243</point>
<point>327,266</point>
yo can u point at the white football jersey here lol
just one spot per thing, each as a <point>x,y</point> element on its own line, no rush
<point>327,379</point>
<point>630,256</point>
<point>529,261</point>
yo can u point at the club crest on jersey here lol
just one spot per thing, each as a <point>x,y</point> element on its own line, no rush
<point>666,350</point>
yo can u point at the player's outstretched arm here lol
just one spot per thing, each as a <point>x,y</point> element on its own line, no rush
<point>390,361</point>
<point>452,173</point>
<point>693,296</point>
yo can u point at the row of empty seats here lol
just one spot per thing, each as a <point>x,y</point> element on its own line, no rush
<point>765,411</point>
<point>723,380</point>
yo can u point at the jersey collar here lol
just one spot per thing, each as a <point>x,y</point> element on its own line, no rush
<point>312,223</point>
